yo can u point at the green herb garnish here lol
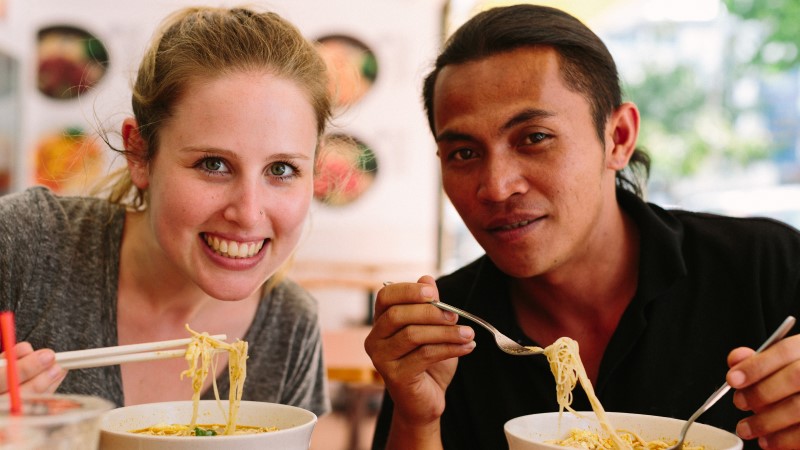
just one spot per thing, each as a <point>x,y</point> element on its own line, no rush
<point>201,432</point>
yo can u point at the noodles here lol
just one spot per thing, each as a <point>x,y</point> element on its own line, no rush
<point>565,363</point>
<point>200,357</point>
<point>213,429</point>
<point>586,439</point>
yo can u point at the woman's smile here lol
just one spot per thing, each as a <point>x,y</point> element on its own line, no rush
<point>233,249</point>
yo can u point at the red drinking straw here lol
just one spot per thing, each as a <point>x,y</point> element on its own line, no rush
<point>9,340</point>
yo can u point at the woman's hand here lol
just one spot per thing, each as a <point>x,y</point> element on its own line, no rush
<point>38,371</point>
<point>415,346</point>
<point>768,384</point>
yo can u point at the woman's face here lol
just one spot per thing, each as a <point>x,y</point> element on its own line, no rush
<point>232,180</point>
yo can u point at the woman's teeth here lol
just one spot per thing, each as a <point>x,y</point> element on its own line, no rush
<point>234,249</point>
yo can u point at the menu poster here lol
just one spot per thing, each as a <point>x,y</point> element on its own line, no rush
<point>9,121</point>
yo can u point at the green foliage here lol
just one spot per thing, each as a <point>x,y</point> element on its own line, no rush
<point>778,20</point>
<point>689,124</point>
<point>683,128</point>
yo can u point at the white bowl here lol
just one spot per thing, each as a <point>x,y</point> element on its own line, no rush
<point>294,427</point>
<point>530,432</point>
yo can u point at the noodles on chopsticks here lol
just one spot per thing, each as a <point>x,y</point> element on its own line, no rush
<point>200,356</point>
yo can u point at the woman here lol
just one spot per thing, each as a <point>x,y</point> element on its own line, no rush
<point>229,106</point>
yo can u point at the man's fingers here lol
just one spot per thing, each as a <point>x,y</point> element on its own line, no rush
<point>402,293</point>
<point>410,337</point>
<point>754,367</point>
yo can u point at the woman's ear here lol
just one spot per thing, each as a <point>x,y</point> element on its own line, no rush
<point>135,153</point>
<point>624,131</point>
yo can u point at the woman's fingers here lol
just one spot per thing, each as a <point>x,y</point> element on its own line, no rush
<point>38,372</point>
<point>45,382</point>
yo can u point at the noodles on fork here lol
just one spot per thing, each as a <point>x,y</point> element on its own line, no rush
<point>567,367</point>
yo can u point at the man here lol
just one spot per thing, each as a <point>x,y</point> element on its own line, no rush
<point>538,156</point>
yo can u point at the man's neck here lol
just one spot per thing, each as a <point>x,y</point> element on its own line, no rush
<point>584,301</point>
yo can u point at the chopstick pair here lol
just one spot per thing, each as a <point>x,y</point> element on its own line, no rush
<point>109,356</point>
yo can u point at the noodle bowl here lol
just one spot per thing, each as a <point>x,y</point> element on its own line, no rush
<point>294,426</point>
<point>209,424</point>
<point>599,429</point>
<point>537,431</point>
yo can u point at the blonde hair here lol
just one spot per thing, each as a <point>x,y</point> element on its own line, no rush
<point>208,42</point>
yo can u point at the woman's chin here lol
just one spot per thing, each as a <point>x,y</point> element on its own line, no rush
<point>233,293</point>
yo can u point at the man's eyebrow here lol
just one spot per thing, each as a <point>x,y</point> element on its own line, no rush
<point>454,136</point>
<point>521,117</point>
<point>526,115</point>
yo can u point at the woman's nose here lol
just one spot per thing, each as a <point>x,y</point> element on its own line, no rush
<point>245,205</point>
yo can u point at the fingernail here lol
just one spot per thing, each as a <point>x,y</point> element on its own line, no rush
<point>763,442</point>
<point>46,357</point>
<point>55,373</point>
<point>736,378</point>
<point>740,401</point>
<point>450,316</point>
<point>427,292</point>
<point>743,430</point>
<point>466,332</point>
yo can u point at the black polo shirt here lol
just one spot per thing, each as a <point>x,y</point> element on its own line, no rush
<point>707,284</point>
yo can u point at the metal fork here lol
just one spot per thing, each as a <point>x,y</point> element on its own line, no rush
<point>504,342</point>
<point>787,325</point>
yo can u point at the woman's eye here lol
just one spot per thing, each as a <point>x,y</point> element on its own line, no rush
<point>213,165</point>
<point>281,169</point>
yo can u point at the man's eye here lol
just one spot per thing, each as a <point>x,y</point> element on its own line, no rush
<point>535,138</point>
<point>463,153</point>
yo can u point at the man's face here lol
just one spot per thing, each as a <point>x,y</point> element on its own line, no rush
<point>521,161</point>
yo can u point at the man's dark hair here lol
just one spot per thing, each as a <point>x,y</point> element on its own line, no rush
<point>587,67</point>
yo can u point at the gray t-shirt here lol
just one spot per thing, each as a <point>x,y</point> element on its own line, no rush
<point>59,273</point>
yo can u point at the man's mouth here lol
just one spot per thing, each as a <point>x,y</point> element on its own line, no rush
<point>515,225</point>
<point>233,249</point>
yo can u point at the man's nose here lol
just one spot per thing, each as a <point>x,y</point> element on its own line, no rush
<point>501,177</point>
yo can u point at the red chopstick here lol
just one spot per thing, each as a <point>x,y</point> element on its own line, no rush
<point>9,340</point>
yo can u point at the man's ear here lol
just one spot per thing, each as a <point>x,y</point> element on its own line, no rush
<point>135,153</point>
<point>623,131</point>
